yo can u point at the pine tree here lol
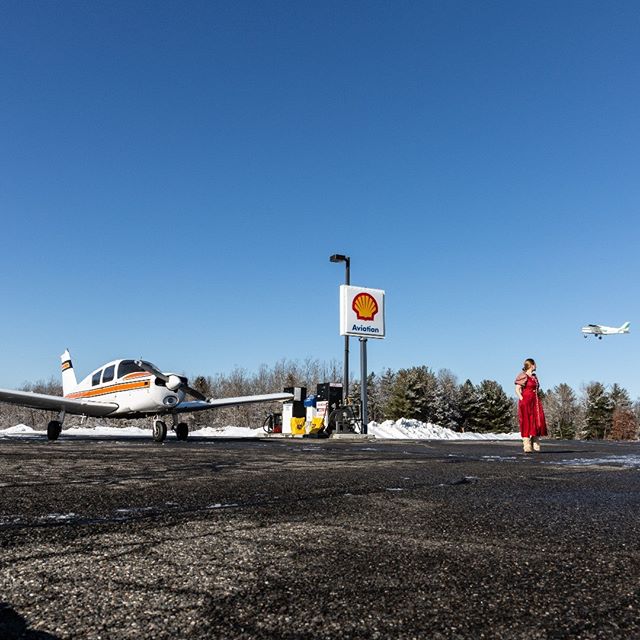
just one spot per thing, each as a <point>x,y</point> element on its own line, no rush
<point>598,411</point>
<point>468,406</point>
<point>620,397</point>
<point>413,394</point>
<point>495,408</point>
<point>385,387</point>
<point>446,411</point>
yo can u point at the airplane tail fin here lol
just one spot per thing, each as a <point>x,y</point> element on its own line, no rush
<point>69,382</point>
<point>625,327</point>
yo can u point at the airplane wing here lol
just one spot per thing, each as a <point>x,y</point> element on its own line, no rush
<point>216,403</point>
<point>57,403</point>
<point>593,328</point>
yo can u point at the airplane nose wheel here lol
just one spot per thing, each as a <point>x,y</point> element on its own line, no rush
<point>182,431</point>
<point>54,429</point>
<point>159,431</point>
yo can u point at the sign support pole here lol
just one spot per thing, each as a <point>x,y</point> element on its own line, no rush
<point>363,385</point>
<point>345,377</point>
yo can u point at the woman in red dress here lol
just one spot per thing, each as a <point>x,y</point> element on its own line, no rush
<point>530,412</point>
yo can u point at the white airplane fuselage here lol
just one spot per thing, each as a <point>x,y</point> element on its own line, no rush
<point>134,391</point>
<point>600,330</point>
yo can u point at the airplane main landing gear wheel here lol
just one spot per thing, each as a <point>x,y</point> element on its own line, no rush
<point>54,429</point>
<point>159,430</point>
<point>182,431</point>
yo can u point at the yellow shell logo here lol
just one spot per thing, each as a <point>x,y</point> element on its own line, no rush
<point>365,306</point>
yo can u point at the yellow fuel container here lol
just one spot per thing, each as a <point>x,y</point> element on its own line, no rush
<point>297,426</point>
<point>317,424</point>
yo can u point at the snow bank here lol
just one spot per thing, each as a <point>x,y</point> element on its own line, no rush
<point>402,429</point>
<point>405,429</point>
<point>17,430</point>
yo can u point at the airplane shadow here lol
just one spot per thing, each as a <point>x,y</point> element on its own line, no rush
<point>14,627</point>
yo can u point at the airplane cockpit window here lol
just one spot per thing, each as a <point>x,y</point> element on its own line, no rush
<point>108,374</point>
<point>128,366</point>
<point>95,378</point>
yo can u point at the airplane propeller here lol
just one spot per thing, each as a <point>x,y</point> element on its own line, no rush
<point>173,382</point>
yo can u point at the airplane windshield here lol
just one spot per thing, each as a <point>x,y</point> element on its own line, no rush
<point>128,366</point>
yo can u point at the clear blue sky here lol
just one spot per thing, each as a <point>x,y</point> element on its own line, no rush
<point>174,176</point>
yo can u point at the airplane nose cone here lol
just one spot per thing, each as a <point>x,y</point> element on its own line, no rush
<point>173,383</point>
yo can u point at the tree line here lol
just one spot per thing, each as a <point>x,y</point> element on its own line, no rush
<point>596,412</point>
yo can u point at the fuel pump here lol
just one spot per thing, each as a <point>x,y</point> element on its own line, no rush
<point>294,412</point>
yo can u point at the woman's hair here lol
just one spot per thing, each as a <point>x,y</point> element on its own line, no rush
<point>529,362</point>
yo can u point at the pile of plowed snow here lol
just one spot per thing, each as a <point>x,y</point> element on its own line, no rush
<point>405,429</point>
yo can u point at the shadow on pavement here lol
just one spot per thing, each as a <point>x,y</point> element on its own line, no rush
<point>14,627</point>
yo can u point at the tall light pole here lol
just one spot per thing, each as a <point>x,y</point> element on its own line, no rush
<point>338,257</point>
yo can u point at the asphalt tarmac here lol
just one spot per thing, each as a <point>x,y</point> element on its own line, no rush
<point>101,538</point>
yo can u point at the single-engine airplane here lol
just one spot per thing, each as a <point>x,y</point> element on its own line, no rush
<point>600,330</point>
<point>127,389</point>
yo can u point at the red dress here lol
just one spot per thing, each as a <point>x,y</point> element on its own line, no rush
<point>530,411</point>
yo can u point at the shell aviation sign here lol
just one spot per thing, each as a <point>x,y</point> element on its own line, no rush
<point>361,312</point>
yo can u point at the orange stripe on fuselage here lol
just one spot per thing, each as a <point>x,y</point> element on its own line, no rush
<point>137,374</point>
<point>114,388</point>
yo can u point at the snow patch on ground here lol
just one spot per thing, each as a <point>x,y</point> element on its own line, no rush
<point>24,431</point>
<point>107,431</point>
<point>630,460</point>
<point>402,429</point>
<point>228,432</point>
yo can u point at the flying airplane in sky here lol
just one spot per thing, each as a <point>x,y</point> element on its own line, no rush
<point>600,330</point>
<point>127,389</point>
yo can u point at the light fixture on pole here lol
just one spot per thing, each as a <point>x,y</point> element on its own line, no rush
<point>338,257</point>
